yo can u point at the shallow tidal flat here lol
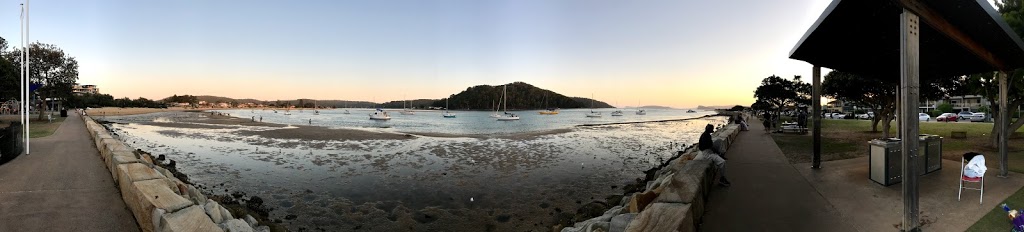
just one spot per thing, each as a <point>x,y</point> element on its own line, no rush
<point>359,179</point>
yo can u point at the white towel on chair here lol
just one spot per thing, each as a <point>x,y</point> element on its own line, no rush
<point>975,167</point>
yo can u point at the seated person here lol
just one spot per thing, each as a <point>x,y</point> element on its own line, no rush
<point>708,151</point>
<point>739,120</point>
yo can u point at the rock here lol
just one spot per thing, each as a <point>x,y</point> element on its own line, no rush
<point>590,210</point>
<point>615,210</point>
<point>145,196</point>
<point>188,220</point>
<point>157,214</point>
<point>262,229</point>
<point>589,226</point>
<point>213,210</point>
<point>639,201</point>
<point>252,221</point>
<point>236,225</point>
<point>619,222</point>
<point>224,213</point>
<point>663,217</point>
<point>613,199</point>
<point>625,200</point>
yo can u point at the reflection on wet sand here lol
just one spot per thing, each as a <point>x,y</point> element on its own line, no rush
<point>318,178</point>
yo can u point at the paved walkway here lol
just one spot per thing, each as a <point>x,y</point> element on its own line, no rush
<point>767,193</point>
<point>62,186</point>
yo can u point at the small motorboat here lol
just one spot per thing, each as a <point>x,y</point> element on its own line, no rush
<point>380,115</point>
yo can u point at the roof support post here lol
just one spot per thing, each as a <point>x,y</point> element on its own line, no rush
<point>1004,118</point>
<point>816,115</point>
<point>909,80</point>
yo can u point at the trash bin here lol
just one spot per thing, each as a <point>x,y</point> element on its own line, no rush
<point>931,150</point>
<point>885,161</point>
<point>64,113</point>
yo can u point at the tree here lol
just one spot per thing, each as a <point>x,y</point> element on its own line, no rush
<point>776,93</point>
<point>987,85</point>
<point>944,108</point>
<point>10,78</point>
<point>56,71</point>
<point>879,95</point>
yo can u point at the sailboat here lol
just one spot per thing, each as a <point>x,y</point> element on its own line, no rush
<point>446,113</point>
<point>593,114</point>
<point>617,112</point>
<point>549,110</point>
<point>495,114</point>
<point>638,110</point>
<point>507,116</point>
<point>346,108</point>
<point>316,108</point>
<point>406,111</point>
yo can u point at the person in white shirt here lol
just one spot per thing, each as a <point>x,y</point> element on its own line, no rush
<point>975,166</point>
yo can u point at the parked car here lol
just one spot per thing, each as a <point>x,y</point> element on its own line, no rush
<point>838,116</point>
<point>946,117</point>
<point>965,115</point>
<point>868,115</point>
<point>979,117</point>
<point>924,117</point>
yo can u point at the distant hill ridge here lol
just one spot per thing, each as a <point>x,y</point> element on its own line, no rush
<point>521,96</point>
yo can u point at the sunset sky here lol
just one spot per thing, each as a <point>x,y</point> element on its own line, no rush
<point>671,53</point>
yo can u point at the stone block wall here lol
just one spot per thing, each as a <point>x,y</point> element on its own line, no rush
<point>674,201</point>
<point>159,201</point>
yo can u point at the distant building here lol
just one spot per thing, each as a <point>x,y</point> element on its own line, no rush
<point>83,89</point>
<point>960,103</point>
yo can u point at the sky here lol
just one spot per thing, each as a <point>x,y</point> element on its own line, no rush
<point>670,53</point>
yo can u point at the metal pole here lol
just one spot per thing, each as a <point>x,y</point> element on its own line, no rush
<point>28,71</point>
<point>21,57</point>
<point>816,114</point>
<point>908,120</point>
<point>1004,118</point>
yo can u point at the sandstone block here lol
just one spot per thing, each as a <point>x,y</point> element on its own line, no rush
<point>619,222</point>
<point>236,225</point>
<point>640,201</point>
<point>119,158</point>
<point>213,210</point>
<point>145,196</point>
<point>663,217</point>
<point>188,219</point>
<point>132,172</point>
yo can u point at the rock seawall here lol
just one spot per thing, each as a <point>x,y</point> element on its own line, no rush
<point>673,201</point>
<point>158,200</point>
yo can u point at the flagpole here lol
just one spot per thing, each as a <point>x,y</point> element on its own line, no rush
<point>28,68</point>
<point>21,40</point>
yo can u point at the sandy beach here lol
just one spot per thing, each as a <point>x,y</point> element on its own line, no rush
<point>112,111</point>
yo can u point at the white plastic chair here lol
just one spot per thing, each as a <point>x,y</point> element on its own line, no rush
<point>964,178</point>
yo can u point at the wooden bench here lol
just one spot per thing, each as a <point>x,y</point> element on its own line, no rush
<point>958,134</point>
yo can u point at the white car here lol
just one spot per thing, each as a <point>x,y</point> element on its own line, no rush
<point>868,115</point>
<point>978,117</point>
<point>924,117</point>
<point>837,116</point>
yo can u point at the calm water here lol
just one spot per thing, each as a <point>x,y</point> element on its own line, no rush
<point>423,183</point>
<point>465,123</point>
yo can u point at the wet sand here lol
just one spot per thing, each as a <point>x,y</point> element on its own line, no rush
<point>419,183</point>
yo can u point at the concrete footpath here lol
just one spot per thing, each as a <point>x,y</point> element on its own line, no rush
<point>62,186</point>
<point>767,193</point>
